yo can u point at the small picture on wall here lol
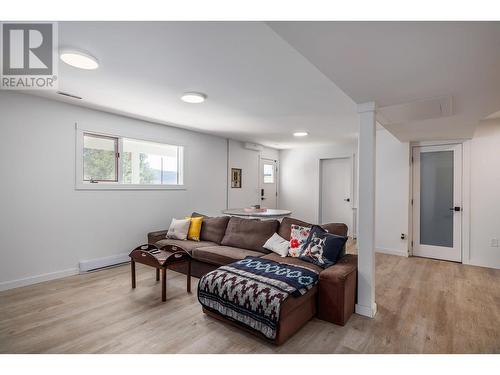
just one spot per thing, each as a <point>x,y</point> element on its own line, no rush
<point>235,177</point>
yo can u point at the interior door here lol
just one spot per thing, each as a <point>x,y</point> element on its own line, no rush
<point>437,202</point>
<point>335,195</point>
<point>268,183</point>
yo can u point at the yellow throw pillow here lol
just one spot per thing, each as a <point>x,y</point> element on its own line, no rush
<point>194,228</point>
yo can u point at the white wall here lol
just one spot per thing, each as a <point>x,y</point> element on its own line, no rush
<point>248,161</point>
<point>47,226</point>
<point>485,194</point>
<point>391,194</point>
<point>300,186</point>
<point>299,178</point>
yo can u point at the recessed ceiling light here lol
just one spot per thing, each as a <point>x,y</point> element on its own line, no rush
<point>79,59</point>
<point>193,97</point>
<point>300,134</point>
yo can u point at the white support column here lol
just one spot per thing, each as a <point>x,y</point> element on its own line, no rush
<point>366,211</point>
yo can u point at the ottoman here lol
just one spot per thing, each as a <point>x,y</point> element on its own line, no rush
<point>295,312</point>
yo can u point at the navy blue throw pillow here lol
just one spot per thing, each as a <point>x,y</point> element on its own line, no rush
<point>322,248</point>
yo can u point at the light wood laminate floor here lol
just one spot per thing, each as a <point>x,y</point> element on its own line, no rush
<point>424,306</point>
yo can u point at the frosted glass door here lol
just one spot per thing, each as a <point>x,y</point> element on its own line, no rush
<point>437,175</point>
<point>436,198</point>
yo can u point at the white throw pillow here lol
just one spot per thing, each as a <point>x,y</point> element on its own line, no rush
<point>278,245</point>
<point>179,229</point>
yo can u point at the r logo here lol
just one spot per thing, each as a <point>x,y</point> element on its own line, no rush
<point>27,49</point>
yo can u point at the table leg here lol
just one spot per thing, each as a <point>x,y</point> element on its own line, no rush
<point>132,268</point>
<point>157,274</point>
<point>189,277</point>
<point>164,284</point>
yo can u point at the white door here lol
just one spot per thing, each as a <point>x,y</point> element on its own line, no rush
<point>268,183</point>
<point>437,202</point>
<point>335,191</point>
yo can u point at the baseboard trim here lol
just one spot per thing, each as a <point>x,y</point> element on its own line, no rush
<point>368,311</point>
<point>391,252</point>
<point>93,264</point>
<point>84,266</point>
<point>481,264</point>
<point>6,285</point>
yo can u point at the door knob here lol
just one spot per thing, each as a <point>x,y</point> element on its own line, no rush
<point>347,199</point>
<point>456,208</point>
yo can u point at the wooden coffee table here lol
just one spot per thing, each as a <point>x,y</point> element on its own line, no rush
<point>168,255</point>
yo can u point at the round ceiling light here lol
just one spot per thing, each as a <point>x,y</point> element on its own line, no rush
<point>79,59</point>
<point>193,97</point>
<point>300,134</point>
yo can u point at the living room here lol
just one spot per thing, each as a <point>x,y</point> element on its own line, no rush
<point>232,157</point>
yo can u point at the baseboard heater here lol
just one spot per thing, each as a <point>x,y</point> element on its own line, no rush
<point>99,263</point>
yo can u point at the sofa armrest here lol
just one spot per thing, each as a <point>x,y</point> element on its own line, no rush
<point>337,290</point>
<point>342,269</point>
<point>154,237</point>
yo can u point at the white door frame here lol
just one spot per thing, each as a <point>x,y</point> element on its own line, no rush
<point>466,197</point>
<point>276,178</point>
<point>352,202</point>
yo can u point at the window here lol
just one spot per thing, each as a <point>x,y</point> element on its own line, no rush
<point>268,173</point>
<point>100,162</point>
<point>107,161</point>
<point>150,163</point>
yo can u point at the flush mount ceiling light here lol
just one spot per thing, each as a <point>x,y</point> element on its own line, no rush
<point>300,134</point>
<point>79,59</point>
<point>193,97</point>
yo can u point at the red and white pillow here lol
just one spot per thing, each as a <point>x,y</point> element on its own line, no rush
<point>298,239</point>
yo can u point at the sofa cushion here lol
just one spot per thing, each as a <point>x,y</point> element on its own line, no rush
<point>194,228</point>
<point>178,229</point>
<point>298,240</point>
<point>339,229</point>
<point>323,248</point>
<point>213,228</point>
<point>278,245</point>
<point>222,255</point>
<point>249,234</point>
<point>286,224</point>
<point>285,228</point>
<point>187,245</point>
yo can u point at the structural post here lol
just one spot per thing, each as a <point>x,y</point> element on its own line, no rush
<point>366,211</point>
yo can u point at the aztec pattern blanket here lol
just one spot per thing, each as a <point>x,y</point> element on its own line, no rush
<point>252,290</point>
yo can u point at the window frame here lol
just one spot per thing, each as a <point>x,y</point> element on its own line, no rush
<point>81,184</point>
<point>117,158</point>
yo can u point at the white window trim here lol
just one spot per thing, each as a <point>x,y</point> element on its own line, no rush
<point>80,184</point>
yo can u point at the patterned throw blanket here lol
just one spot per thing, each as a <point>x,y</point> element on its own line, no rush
<point>251,291</point>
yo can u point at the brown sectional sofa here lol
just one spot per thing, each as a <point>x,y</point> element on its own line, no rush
<point>228,239</point>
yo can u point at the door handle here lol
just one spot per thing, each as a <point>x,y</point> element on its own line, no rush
<point>456,208</point>
<point>347,199</point>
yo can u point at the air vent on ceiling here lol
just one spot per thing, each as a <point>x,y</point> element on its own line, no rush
<point>253,146</point>
<point>415,111</point>
<point>69,95</point>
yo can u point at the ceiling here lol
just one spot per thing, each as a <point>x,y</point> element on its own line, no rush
<point>266,80</point>
<point>403,62</point>
<point>259,88</point>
